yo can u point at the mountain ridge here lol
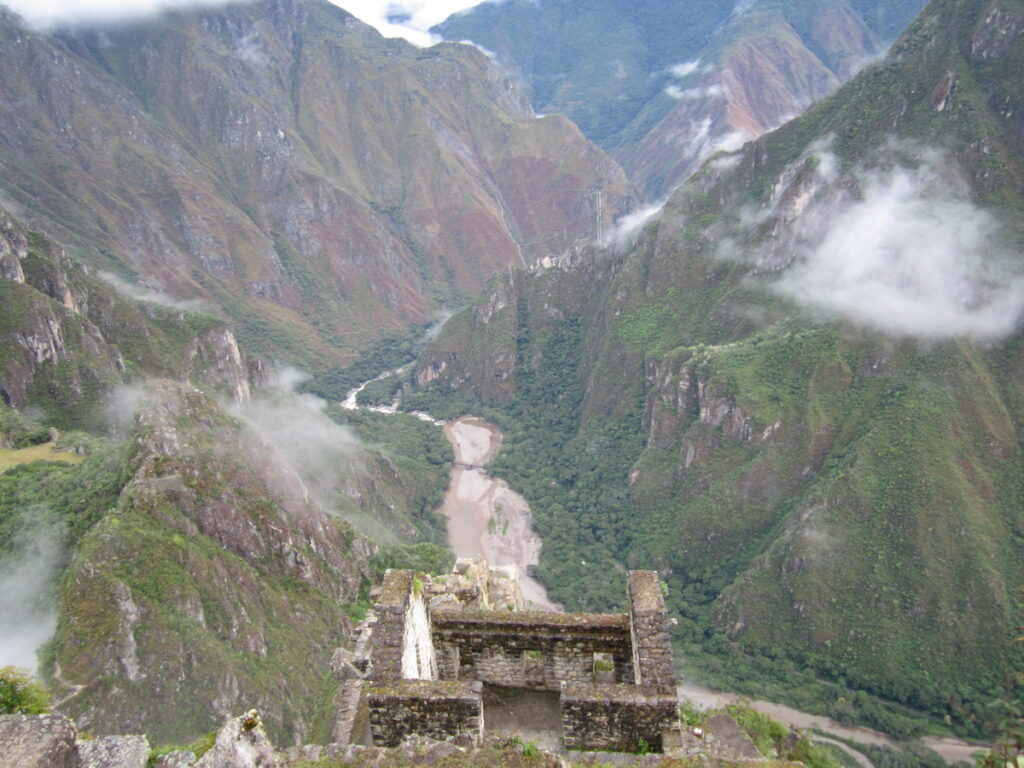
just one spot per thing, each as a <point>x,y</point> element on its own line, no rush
<point>210,155</point>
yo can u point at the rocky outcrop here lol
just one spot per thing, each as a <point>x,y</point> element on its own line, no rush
<point>171,609</point>
<point>114,752</point>
<point>67,339</point>
<point>38,741</point>
<point>241,742</point>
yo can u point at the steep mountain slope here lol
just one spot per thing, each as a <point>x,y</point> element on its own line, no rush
<point>798,395</point>
<point>664,85</point>
<point>282,162</point>
<point>215,585</point>
<point>67,338</point>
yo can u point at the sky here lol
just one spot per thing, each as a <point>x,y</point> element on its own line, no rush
<point>419,15</point>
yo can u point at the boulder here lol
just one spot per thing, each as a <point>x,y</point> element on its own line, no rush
<point>180,759</point>
<point>38,741</point>
<point>241,743</point>
<point>114,752</point>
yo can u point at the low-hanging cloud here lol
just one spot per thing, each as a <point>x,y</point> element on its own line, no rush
<point>629,226</point>
<point>910,255</point>
<point>410,19</point>
<point>27,603</point>
<point>320,452</point>
<point>150,296</point>
<point>50,13</point>
<point>684,68</point>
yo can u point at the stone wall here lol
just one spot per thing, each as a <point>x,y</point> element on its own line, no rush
<point>402,643</point>
<point>648,621</point>
<point>532,650</point>
<point>617,717</point>
<point>443,710</point>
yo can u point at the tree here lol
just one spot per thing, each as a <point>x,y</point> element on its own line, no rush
<point>21,694</point>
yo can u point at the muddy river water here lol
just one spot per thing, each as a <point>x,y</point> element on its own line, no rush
<point>485,516</point>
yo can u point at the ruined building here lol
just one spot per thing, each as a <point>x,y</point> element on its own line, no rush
<point>431,645</point>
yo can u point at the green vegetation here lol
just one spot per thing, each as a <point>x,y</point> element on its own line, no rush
<point>775,741</point>
<point>911,756</point>
<point>387,353</point>
<point>21,694</point>
<point>422,557</point>
<point>199,747</point>
<point>12,457</point>
<point>413,458</point>
<point>75,497</point>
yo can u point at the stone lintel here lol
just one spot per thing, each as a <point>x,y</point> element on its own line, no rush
<point>422,689</point>
<point>617,692</point>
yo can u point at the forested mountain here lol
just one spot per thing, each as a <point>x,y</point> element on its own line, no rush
<point>797,392</point>
<point>311,182</point>
<point>663,85</point>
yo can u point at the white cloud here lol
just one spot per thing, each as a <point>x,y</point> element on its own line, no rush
<point>909,255</point>
<point>46,13</point>
<point>630,225</point>
<point>684,68</point>
<point>692,94</point>
<point>141,293</point>
<point>410,19</point>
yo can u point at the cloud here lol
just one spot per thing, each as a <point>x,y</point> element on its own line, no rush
<point>908,253</point>
<point>26,579</point>
<point>685,68</point>
<point>321,453</point>
<point>410,19</point>
<point>49,13</point>
<point>692,94</point>
<point>629,226</point>
<point>141,293</point>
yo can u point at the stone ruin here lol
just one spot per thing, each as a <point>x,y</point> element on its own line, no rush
<point>429,646</point>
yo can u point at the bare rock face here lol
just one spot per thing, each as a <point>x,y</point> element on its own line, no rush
<point>114,752</point>
<point>38,741</point>
<point>180,759</point>
<point>241,743</point>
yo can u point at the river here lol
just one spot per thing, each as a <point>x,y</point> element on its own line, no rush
<point>486,518</point>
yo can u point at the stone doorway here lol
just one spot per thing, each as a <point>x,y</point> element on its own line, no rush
<point>532,716</point>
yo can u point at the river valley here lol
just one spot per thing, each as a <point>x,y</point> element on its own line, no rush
<point>487,518</point>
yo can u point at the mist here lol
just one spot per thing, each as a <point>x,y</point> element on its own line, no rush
<point>148,295</point>
<point>321,453</point>
<point>909,254</point>
<point>628,227</point>
<point>45,14</point>
<point>27,602</point>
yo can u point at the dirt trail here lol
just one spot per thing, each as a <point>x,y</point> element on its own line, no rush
<point>485,517</point>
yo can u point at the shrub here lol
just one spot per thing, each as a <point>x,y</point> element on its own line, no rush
<point>21,694</point>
